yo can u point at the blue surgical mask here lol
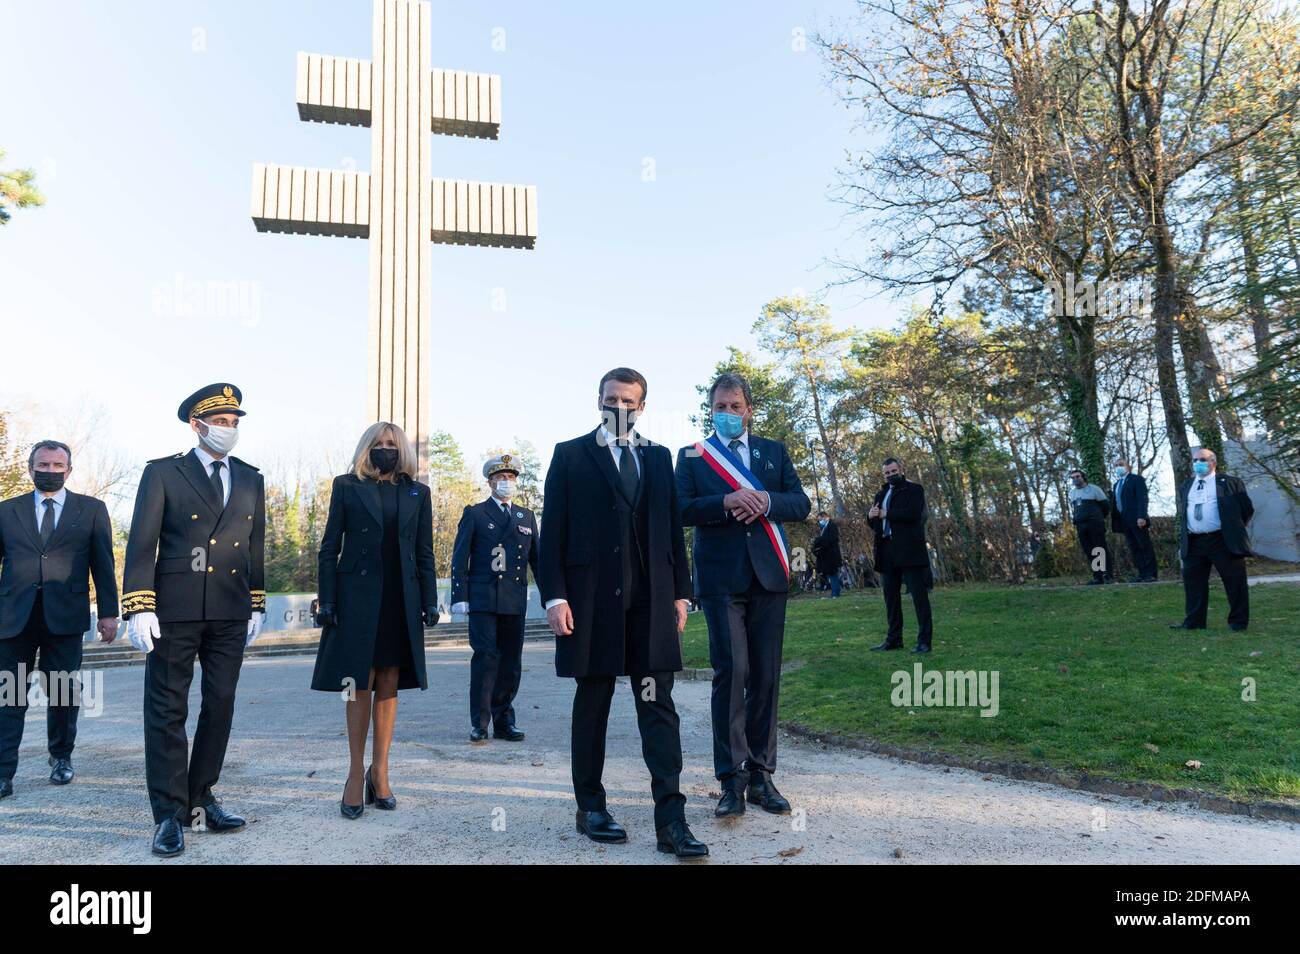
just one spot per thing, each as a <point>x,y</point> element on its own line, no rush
<point>728,426</point>
<point>1121,473</point>
<point>1200,468</point>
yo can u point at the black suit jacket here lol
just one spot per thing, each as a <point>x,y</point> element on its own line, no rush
<point>350,574</point>
<point>1235,511</point>
<point>907,516</point>
<point>81,547</point>
<point>483,527</point>
<point>826,549</point>
<point>580,559</point>
<point>728,553</point>
<point>1133,496</point>
<point>187,558</point>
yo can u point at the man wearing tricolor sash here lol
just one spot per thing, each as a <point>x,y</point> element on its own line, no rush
<point>736,490</point>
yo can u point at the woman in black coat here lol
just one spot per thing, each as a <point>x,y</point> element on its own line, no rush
<point>378,589</point>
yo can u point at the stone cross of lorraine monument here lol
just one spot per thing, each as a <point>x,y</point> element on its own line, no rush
<point>397,205</point>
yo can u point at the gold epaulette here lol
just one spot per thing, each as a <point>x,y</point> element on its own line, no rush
<point>259,601</point>
<point>139,601</point>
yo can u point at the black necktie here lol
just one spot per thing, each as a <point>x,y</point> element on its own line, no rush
<point>47,521</point>
<point>217,487</point>
<point>735,449</point>
<point>627,472</point>
<point>1200,485</point>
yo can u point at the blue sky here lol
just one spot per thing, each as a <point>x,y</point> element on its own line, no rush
<point>143,121</point>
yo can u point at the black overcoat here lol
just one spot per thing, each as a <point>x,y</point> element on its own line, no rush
<point>350,574</point>
<point>580,559</point>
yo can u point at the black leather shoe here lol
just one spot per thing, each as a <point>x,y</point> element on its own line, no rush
<point>763,793</point>
<point>509,733</point>
<point>1096,582</point>
<point>387,804</point>
<point>600,826</point>
<point>216,819</point>
<point>6,788</point>
<point>478,735</point>
<point>1238,627</point>
<point>352,812</point>
<point>676,838</point>
<point>886,646</point>
<point>732,802</point>
<point>169,839</point>
<point>921,648</point>
<point>1184,626</point>
<point>62,773</point>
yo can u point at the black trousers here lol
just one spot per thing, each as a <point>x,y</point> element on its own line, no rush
<point>1203,551</point>
<point>1092,537</point>
<point>892,578</point>
<point>60,660</point>
<point>656,719</point>
<point>494,670</point>
<point>1141,549</point>
<point>180,779</point>
<point>746,633</point>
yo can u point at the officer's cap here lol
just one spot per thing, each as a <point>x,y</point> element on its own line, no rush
<point>499,464</point>
<point>214,399</point>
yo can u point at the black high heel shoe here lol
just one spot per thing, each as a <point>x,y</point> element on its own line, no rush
<point>351,811</point>
<point>384,804</point>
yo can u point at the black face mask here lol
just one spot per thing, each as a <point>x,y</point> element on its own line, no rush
<point>384,459</point>
<point>48,481</point>
<point>896,480</point>
<point>1080,482</point>
<point>618,420</point>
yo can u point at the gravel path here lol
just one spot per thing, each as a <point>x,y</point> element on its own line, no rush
<point>512,802</point>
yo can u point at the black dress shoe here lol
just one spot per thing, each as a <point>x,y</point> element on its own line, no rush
<point>600,826</point>
<point>509,733</point>
<point>387,804</point>
<point>6,788</point>
<point>732,802</point>
<point>676,838</point>
<point>1237,627</point>
<point>169,839</point>
<point>1096,582</point>
<point>62,773</point>
<point>1184,626</point>
<point>919,648</point>
<point>216,819</point>
<point>886,646</point>
<point>478,735</point>
<point>763,793</point>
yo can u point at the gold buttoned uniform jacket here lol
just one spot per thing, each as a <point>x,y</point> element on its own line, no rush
<point>188,558</point>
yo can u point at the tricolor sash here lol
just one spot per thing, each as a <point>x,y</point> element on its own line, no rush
<point>737,476</point>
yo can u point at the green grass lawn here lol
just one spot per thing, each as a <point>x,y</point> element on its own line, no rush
<point>1091,679</point>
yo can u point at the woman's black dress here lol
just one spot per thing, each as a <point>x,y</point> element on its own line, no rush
<point>392,641</point>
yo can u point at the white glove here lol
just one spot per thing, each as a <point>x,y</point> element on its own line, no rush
<point>254,628</point>
<point>460,607</point>
<point>142,629</point>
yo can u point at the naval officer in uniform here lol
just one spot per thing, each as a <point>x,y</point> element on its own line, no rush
<point>194,588</point>
<point>496,544</point>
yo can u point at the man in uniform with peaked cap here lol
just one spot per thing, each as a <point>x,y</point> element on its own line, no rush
<point>496,544</point>
<point>194,589</point>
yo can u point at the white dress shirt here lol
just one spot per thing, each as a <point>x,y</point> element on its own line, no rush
<point>59,499</point>
<point>207,460</point>
<point>616,451</point>
<point>1203,492</point>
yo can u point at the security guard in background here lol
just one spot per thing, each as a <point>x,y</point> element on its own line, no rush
<point>194,587</point>
<point>496,543</point>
